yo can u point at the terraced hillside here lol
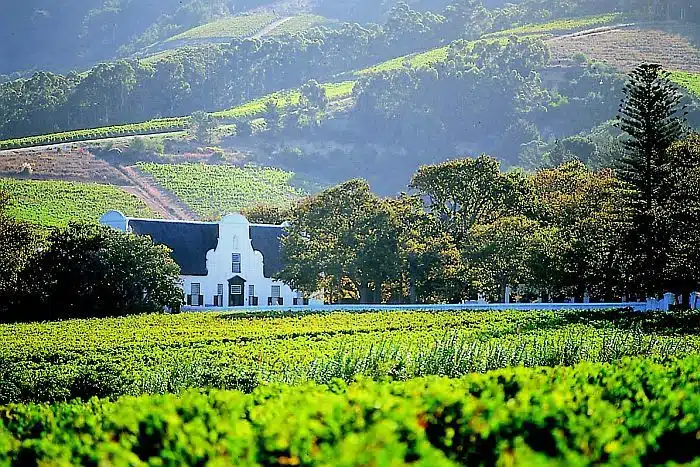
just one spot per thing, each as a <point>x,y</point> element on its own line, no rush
<point>56,203</point>
<point>64,164</point>
<point>624,48</point>
<point>621,46</point>
<point>212,191</point>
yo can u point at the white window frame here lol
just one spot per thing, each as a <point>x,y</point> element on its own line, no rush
<point>236,266</point>
<point>236,289</point>
<point>277,288</point>
<point>251,290</point>
<point>195,296</point>
<point>220,289</point>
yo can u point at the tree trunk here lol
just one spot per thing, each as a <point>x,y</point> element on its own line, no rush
<point>377,291</point>
<point>364,294</point>
<point>412,294</point>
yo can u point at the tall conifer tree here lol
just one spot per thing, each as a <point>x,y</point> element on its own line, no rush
<point>651,116</point>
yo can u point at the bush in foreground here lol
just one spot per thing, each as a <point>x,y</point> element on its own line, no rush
<point>94,271</point>
<point>638,411</point>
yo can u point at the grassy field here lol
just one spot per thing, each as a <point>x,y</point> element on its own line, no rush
<point>231,27</point>
<point>297,24</point>
<point>55,203</point>
<point>690,81</point>
<point>216,190</point>
<point>256,107</point>
<point>561,26</point>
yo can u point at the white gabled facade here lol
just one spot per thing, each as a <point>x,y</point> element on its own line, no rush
<point>224,264</point>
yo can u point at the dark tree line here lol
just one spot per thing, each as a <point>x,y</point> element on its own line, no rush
<point>567,231</point>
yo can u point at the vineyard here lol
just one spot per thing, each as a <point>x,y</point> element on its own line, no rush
<point>216,190</point>
<point>154,126</point>
<point>168,353</point>
<point>637,412</point>
<point>232,27</point>
<point>56,203</point>
<point>626,48</point>
<point>284,99</point>
<point>561,26</point>
<point>443,388</point>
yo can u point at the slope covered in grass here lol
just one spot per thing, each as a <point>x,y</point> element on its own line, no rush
<point>297,24</point>
<point>231,27</point>
<point>56,203</point>
<point>561,26</point>
<point>690,81</point>
<point>216,190</point>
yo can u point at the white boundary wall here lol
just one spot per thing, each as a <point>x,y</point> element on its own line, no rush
<point>650,305</point>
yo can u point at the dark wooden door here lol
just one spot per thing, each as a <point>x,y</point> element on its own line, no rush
<point>236,286</point>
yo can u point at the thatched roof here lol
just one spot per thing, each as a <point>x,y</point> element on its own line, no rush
<point>189,241</point>
<point>267,239</point>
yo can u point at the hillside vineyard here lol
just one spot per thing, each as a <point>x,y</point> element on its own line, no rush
<point>350,233</point>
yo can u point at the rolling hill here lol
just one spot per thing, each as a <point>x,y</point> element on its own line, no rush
<point>625,45</point>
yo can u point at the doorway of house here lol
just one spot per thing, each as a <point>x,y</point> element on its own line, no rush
<point>235,291</point>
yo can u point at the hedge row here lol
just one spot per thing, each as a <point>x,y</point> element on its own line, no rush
<point>634,412</point>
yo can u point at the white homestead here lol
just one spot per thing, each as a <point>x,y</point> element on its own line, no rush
<point>229,263</point>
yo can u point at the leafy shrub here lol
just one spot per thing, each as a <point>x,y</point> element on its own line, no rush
<point>638,411</point>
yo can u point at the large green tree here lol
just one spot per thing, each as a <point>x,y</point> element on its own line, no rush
<point>18,242</point>
<point>651,118</point>
<point>431,267</point>
<point>465,192</point>
<point>341,238</point>
<point>585,208</point>
<point>681,207</point>
<point>90,270</point>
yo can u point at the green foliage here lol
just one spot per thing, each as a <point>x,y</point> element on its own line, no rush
<point>342,234</point>
<point>139,147</point>
<point>232,27</point>
<point>89,270</point>
<point>56,203</point>
<point>202,125</point>
<point>216,190</point>
<point>502,252</point>
<point>18,242</point>
<point>638,411</point>
<point>690,81</point>
<point>167,353</point>
<point>297,24</point>
<point>651,117</point>
<point>464,192</point>
<point>267,214</point>
<point>165,125</point>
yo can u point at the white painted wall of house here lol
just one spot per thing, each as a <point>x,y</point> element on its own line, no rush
<point>234,237</point>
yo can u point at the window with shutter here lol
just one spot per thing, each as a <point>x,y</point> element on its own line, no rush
<point>236,263</point>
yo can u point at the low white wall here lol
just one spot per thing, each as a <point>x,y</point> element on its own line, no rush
<point>636,306</point>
